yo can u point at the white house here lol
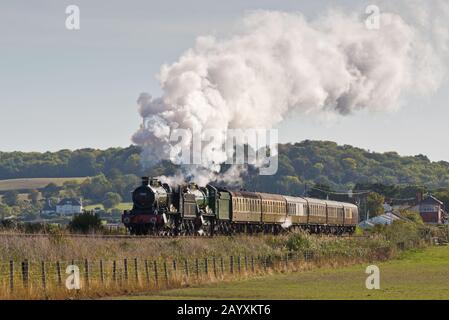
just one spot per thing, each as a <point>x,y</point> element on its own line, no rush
<point>69,206</point>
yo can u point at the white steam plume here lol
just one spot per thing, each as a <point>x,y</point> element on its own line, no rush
<point>281,64</point>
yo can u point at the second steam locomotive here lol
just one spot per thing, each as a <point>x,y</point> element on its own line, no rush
<point>189,209</point>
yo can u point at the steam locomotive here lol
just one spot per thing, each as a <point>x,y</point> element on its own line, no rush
<point>189,209</point>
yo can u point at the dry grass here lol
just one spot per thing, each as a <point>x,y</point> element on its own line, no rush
<point>58,247</point>
<point>118,277</point>
<point>161,263</point>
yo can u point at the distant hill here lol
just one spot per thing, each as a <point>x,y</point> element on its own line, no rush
<point>338,166</point>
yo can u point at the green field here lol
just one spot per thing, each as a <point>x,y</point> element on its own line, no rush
<point>33,183</point>
<point>416,275</point>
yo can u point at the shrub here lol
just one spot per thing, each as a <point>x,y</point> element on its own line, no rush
<point>403,231</point>
<point>298,241</point>
<point>85,222</point>
<point>413,216</point>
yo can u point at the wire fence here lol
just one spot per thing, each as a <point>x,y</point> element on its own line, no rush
<point>99,277</point>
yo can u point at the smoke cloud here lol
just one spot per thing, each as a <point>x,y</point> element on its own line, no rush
<point>281,64</point>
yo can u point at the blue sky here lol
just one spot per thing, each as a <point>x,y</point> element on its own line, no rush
<point>71,89</point>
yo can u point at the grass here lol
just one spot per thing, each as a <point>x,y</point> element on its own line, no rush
<point>419,274</point>
<point>33,183</point>
<point>121,206</point>
<point>227,251</point>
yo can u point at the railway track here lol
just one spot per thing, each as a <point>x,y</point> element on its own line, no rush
<point>96,236</point>
<point>126,236</point>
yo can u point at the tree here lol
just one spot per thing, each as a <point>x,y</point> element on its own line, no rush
<point>11,198</point>
<point>4,211</point>
<point>95,188</point>
<point>85,222</point>
<point>319,191</point>
<point>111,199</point>
<point>50,190</point>
<point>374,204</point>
<point>70,189</point>
<point>33,196</point>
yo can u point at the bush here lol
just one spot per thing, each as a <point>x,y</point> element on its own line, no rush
<point>299,241</point>
<point>403,231</point>
<point>85,222</point>
<point>358,231</point>
<point>413,216</point>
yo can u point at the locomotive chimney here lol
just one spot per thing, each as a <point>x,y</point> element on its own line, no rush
<point>145,181</point>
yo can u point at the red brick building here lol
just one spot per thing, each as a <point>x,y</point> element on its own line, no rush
<point>431,210</point>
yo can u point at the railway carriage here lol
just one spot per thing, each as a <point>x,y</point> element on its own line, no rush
<point>351,217</point>
<point>246,207</point>
<point>297,210</point>
<point>274,211</point>
<point>335,213</point>
<point>317,215</point>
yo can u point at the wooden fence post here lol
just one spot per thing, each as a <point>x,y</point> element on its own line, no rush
<point>101,271</point>
<point>186,267</point>
<point>246,263</point>
<point>11,275</point>
<point>252,264</point>
<point>58,273</point>
<point>238,263</point>
<point>86,271</point>
<point>197,268</point>
<point>174,265</point>
<point>205,266</point>
<point>222,265</point>
<point>25,273</point>
<point>136,270</point>
<point>165,272</point>
<point>125,268</point>
<point>147,272</point>
<point>215,266</point>
<point>155,272</point>
<point>231,264</point>
<point>44,277</point>
<point>114,271</point>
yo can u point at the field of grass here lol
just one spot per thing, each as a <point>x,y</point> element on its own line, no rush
<point>419,274</point>
<point>33,183</point>
<point>121,206</point>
